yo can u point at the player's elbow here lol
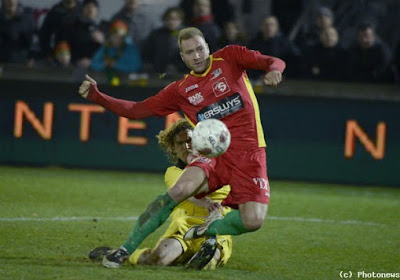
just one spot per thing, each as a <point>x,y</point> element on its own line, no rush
<point>281,64</point>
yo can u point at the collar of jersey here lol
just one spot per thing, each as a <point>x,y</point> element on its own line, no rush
<point>205,72</point>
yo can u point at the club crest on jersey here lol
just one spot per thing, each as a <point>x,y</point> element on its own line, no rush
<point>196,98</point>
<point>221,87</point>
<point>216,73</point>
<point>192,87</point>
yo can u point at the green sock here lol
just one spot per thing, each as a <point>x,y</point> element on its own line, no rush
<point>155,215</point>
<point>231,224</point>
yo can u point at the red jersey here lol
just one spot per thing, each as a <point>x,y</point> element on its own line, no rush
<point>223,91</point>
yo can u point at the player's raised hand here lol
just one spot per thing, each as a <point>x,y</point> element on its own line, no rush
<point>85,86</point>
<point>273,78</point>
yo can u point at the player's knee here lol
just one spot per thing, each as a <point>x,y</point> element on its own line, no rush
<point>253,223</point>
<point>151,259</point>
<point>157,257</point>
<point>164,261</point>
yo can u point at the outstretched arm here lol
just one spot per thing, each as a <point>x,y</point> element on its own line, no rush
<point>250,59</point>
<point>273,66</point>
<point>124,108</point>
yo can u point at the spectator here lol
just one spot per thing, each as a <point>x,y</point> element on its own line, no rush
<point>118,54</point>
<point>138,23</point>
<point>87,36</point>
<point>370,58</point>
<point>270,41</point>
<point>323,19</point>
<point>16,32</point>
<point>223,11</point>
<point>203,19</point>
<point>62,54</point>
<point>326,59</point>
<point>58,24</point>
<point>161,48</point>
<point>232,35</point>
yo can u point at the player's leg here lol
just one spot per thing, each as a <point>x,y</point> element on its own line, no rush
<point>248,218</point>
<point>222,253</point>
<point>214,261</point>
<point>253,214</point>
<point>167,251</point>
<point>204,255</point>
<point>250,191</point>
<point>192,180</point>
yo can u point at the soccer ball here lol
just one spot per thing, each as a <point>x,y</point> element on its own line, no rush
<point>211,138</point>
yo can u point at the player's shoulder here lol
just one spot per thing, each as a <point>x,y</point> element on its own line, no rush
<point>172,172</point>
<point>176,85</point>
<point>172,169</point>
<point>228,51</point>
<point>171,175</point>
<point>186,79</point>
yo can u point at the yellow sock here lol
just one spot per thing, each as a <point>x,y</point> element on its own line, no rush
<point>211,265</point>
<point>134,258</point>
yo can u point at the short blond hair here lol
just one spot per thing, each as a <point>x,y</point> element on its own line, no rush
<point>188,33</point>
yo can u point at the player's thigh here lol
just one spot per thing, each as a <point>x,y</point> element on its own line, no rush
<point>191,181</point>
<point>167,251</point>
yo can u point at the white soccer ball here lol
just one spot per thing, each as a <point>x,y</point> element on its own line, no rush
<point>211,138</point>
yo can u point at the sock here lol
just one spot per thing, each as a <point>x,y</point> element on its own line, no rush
<point>155,215</point>
<point>231,224</point>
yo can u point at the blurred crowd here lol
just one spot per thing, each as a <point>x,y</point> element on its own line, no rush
<point>323,40</point>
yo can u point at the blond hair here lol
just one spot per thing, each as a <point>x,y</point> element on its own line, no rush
<point>188,33</point>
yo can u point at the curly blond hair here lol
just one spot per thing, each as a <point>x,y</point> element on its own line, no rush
<point>166,138</point>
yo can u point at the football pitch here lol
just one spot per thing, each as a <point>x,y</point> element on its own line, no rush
<point>50,218</point>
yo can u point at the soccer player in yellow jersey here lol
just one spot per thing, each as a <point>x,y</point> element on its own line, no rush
<point>172,249</point>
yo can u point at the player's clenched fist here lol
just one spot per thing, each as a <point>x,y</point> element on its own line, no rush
<point>85,86</point>
<point>273,78</point>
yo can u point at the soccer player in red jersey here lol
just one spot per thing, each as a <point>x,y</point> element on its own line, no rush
<point>216,87</point>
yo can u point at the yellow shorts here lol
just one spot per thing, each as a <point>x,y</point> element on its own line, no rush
<point>178,228</point>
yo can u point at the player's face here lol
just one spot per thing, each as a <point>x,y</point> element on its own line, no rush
<point>180,148</point>
<point>196,54</point>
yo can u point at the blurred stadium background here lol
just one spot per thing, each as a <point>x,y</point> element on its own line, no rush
<point>74,176</point>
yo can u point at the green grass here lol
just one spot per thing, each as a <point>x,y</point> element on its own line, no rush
<point>354,228</point>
